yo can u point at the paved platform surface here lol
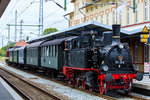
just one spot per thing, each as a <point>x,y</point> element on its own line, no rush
<point>4,94</point>
<point>145,83</point>
<point>7,93</point>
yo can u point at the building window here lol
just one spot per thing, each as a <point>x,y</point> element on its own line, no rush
<point>107,19</point>
<point>96,18</point>
<point>77,9</point>
<point>91,9</point>
<point>136,52</point>
<point>102,19</point>
<point>136,13</point>
<point>96,6</point>
<point>128,15</point>
<point>87,10</point>
<point>114,17</point>
<point>146,10</point>
<point>121,18</point>
<point>145,53</point>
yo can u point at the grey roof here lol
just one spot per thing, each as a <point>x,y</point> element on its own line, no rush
<point>11,49</point>
<point>54,42</point>
<point>14,48</point>
<point>69,39</point>
<point>77,30</point>
<point>21,48</point>
<point>35,44</point>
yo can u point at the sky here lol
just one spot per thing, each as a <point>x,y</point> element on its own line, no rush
<point>28,11</point>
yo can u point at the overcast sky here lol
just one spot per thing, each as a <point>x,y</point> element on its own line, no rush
<point>53,17</point>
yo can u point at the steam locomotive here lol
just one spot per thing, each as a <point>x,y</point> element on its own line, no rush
<point>92,60</point>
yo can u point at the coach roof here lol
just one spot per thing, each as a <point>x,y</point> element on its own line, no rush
<point>55,42</point>
<point>21,48</point>
<point>35,44</point>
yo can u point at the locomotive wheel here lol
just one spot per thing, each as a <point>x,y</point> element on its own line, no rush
<point>76,82</point>
<point>101,88</point>
<point>128,87</point>
<point>83,84</point>
<point>90,89</point>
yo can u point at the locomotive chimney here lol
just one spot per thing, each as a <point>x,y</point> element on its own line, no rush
<point>107,37</point>
<point>116,33</point>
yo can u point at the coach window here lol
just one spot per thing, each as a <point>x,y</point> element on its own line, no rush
<point>52,50</point>
<point>56,50</point>
<point>43,51</point>
<point>49,51</point>
<point>75,44</point>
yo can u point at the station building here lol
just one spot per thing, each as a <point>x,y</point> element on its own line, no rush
<point>104,14</point>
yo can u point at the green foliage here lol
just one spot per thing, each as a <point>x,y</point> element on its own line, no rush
<point>4,49</point>
<point>27,38</point>
<point>49,30</point>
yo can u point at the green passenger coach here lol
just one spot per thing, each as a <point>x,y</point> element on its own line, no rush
<point>33,54</point>
<point>52,54</point>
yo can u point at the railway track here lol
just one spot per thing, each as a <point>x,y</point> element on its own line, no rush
<point>87,91</point>
<point>28,90</point>
<point>21,93</point>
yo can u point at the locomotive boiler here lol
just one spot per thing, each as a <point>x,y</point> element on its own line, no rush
<point>99,62</point>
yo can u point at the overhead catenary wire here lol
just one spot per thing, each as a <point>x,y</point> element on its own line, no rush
<point>55,23</point>
<point>26,8</point>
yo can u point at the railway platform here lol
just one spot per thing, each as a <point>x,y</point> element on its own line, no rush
<point>143,86</point>
<point>7,93</point>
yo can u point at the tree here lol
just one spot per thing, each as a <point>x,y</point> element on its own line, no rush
<point>27,38</point>
<point>49,30</point>
<point>4,49</point>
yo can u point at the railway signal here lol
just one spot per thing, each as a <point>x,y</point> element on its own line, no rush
<point>146,36</point>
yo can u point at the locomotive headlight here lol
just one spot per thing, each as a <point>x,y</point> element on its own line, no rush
<point>136,68</point>
<point>105,68</point>
<point>120,46</point>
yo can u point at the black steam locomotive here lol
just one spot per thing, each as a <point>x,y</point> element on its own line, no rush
<point>102,62</point>
<point>92,60</point>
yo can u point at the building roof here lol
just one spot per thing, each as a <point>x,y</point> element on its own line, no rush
<point>87,26</point>
<point>3,5</point>
<point>136,28</point>
<point>21,43</point>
